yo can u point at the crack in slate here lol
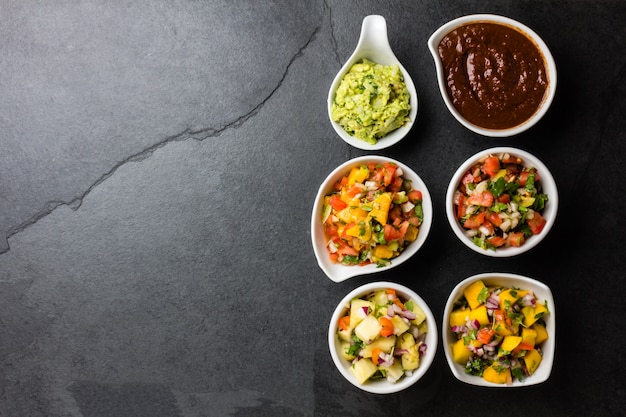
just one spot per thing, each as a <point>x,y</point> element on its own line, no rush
<point>198,135</point>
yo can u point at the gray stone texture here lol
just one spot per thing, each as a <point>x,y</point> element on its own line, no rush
<point>158,166</point>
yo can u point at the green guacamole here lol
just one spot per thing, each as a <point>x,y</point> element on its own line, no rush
<point>371,101</point>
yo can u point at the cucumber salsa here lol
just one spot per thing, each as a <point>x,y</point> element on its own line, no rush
<point>500,202</point>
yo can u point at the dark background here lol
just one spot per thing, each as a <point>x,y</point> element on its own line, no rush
<point>158,166</point>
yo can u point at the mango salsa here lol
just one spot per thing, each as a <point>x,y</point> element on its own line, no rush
<point>372,215</point>
<point>500,336</point>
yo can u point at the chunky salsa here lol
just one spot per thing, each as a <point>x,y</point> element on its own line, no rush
<point>383,336</point>
<point>499,332</point>
<point>372,215</point>
<point>499,202</point>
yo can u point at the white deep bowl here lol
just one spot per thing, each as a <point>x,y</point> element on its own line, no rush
<point>545,179</point>
<point>440,33</point>
<point>338,272</point>
<point>542,292</point>
<point>382,386</point>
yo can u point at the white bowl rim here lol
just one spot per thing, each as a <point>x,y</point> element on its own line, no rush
<point>384,387</point>
<point>338,272</point>
<point>545,368</point>
<point>551,69</point>
<point>549,213</point>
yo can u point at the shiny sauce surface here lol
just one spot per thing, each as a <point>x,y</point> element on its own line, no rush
<point>495,75</point>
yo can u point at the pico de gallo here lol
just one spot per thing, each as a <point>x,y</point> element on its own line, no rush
<point>500,202</point>
<point>372,215</point>
<point>499,332</point>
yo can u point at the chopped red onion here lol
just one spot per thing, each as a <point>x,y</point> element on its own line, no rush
<point>422,349</point>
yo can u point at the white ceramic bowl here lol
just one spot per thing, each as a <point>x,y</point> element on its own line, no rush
<point>545,179</point>
<point>440,33</point>
<point>339,272</point>
<point>542,292</point>
<point>383,386</point>
<point>374,45</point>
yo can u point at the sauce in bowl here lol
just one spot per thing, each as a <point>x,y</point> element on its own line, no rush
<point>496,77</point>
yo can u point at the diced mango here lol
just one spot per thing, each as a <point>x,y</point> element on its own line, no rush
<point>361,230</point>
<point>382,252</point>
<point>508,344</point>
<point>480,314</point>
<point>529,336</point>
<point>542,333</point>
<point>352,214</point>
<point>358,174</point>
<point>497,375</point>
<point>459,317</point>
<point>532,314</point>
<point>460,352</point>
<point>501,328</point>
<point>380,208</point>
<point>532,359</point>
<point>472,293</point>
<point>411,233</point>
<point>509,296</point>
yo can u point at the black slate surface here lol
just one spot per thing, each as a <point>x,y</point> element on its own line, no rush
<point>158,165</point>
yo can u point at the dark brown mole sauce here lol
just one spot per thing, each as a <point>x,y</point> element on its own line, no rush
<point>496,76</point>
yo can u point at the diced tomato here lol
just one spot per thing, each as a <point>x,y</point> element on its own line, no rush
<point>460,209</point>
<point>391,233</point>
<point>415,196</point>
<point>403,228</point>
<point>387,326</point>
<point>498,315</point>
<point>491,166</point>
<point>343,248</point>
<point>523,177</point>
<point>353,191</point>
<point>496,241</point>
<point>475,221</point>
<point>395,213</point>
<point>396,184</point>
<point>484,199</point>
<point>485,334</point>
<point>487,225</point>
<point>504,198</point>
<point>389,173</point>
<point>330,229</point>
<point>414,220</point>
<point>494,218</point>
<point>334,257</point>
<point>340,184</point>
<point>536,224</point>
<point>337,203</point>
<point>516,239</point>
